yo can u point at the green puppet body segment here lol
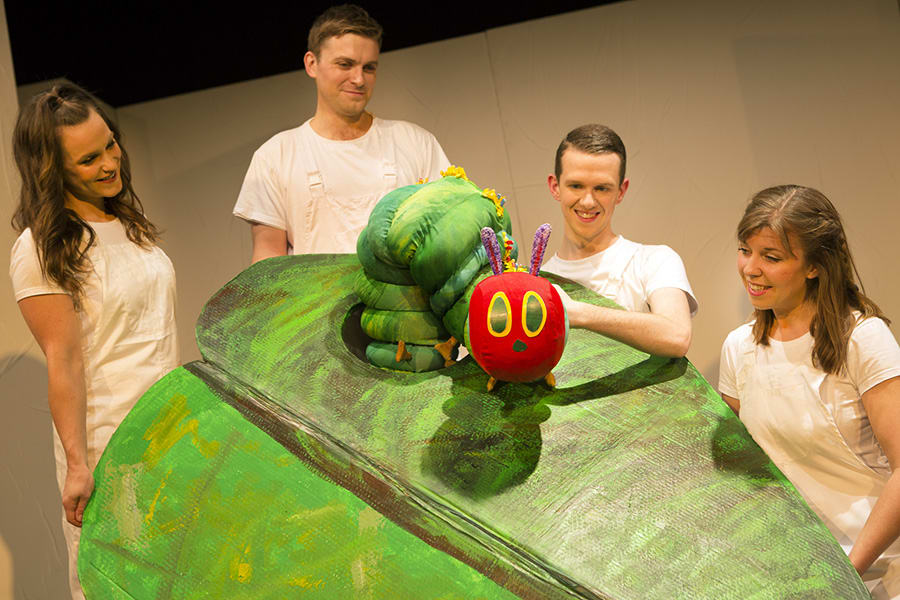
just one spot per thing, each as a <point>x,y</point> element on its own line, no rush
<point>376,269</point>
<point>414,327</point>
<point>390,296</point>
<point>421,255</point>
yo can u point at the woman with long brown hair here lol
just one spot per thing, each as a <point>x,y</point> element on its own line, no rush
<point>95,290</point>
<point>815,376</point>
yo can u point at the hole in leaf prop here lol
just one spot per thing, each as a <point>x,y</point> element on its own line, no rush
<point>517,326</point>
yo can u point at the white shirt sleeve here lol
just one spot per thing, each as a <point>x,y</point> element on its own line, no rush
<point>25,270</point>
<point>437,160</point>
<point>663,268</point>
<point>873,355</point>
<point>728,364</point>
<point>263,197</point>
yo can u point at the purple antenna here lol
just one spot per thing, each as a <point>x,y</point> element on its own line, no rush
<point>492,247</point>
<point>537,248</point>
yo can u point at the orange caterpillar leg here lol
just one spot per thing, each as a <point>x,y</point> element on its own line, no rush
<point>446,350</point>
<point>402,352</point>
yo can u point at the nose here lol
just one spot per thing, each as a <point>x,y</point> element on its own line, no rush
<point>587,199</point>
<point>110,161</point>
<point>356,76</point>
<point>748,265</point>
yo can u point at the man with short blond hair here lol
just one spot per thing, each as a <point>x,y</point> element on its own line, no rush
<point>648,281</point>
<point>311,189</point>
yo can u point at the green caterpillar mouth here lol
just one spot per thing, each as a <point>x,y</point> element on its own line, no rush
<point>520,346</point>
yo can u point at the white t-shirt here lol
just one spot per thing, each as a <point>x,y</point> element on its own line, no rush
<point>321,191</point>
<point>627,272</point>
<point>872,357</point>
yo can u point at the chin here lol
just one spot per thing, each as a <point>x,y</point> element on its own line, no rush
<point>112,193</point>
<point>760,305</point>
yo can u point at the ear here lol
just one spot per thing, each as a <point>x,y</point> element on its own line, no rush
<point>812,273</point>
<point>553,184</point>
<point>310,63</point>
<point>623,187</point>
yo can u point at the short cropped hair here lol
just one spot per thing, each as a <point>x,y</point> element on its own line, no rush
<point>592,139</point>
<point>341,20</point>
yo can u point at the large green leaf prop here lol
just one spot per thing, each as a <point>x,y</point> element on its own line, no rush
<point>631,479</point>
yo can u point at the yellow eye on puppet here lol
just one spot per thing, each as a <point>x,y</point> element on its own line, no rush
<point>499,316</point>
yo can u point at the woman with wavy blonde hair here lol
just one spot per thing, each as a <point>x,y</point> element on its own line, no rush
<point>96,292</point>
<point>815,375</point>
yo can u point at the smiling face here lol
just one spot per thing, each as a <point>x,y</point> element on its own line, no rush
<point>344,72</point>
<point>775,279</point>
<point>91,160</point>
<point>588,190</point>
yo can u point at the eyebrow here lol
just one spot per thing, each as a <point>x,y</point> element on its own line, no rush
<point>581,182</point>
<point>353,60</point>
<point>779,251</point>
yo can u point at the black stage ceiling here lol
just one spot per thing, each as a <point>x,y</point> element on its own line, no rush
<point>129,52</point>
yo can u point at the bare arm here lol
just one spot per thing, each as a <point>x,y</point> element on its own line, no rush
<point>55,326</point>
<point>882,404</point>
<point>268,241</point>
<point>664,331</point>
<point>733,403</point>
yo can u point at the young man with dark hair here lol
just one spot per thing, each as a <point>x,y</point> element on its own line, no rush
<point>648,281</point>
<point>311,189</point>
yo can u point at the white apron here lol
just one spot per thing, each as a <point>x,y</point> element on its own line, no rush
<point>332,222</point>
<point>789,421</point>
<point>129,342</point>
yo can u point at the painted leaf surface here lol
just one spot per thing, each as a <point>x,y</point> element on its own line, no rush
<point>192,501</point>
<point>631,479</point>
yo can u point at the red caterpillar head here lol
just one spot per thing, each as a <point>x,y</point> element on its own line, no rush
<point>517,325</point>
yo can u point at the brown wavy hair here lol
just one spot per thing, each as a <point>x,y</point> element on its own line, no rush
<point>63,238</point>
<point>837,290</point>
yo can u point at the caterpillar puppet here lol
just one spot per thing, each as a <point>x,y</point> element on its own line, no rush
<point>423,259</point>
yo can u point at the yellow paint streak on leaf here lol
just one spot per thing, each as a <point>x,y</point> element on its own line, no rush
<point>122,502</point>
<point>171,425</point>
<point>305,583</point>
<point>323,513</point>
<point>364,569</point>
<point>152,509</point>
<point>369,519</point>
<point>250,446</point>
<point>240,568</point>
<point>167,527</point>
<point>304,539</point>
